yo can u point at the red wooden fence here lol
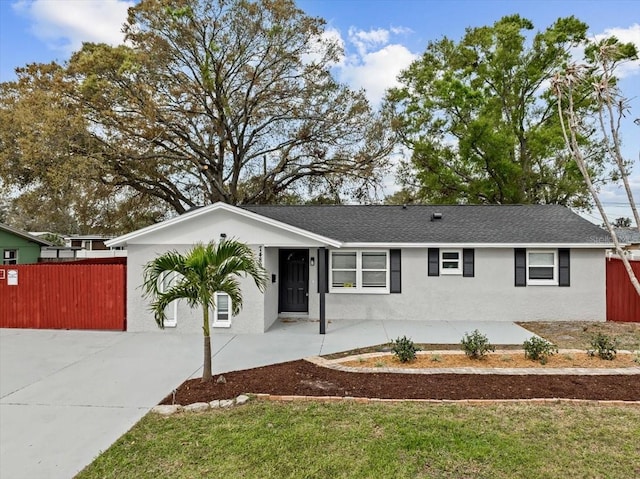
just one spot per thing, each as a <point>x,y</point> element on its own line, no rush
<point>63,296</point>
<point>623,302</point>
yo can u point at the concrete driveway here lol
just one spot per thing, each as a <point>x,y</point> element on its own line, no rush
<point>66,396</point>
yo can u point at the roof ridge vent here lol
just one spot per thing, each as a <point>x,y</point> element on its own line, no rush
<point>436,216</point>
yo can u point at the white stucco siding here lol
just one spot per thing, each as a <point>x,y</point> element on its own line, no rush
<point>209,227</point>
<point>490,295</point>
<point>139,318</point>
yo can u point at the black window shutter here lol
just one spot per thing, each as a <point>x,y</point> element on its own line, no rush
<point>396,274</point>
<point>468,269</point>
<point>434,262</point>
<point>564,270</point>
<point>521,266</point>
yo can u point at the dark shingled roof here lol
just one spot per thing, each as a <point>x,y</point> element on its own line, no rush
<point>459,224</point>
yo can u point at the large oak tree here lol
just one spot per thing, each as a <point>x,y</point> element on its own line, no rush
<point>479,118</point>
<point>207,100</point>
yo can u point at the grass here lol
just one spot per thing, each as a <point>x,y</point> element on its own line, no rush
<point>384,440</point>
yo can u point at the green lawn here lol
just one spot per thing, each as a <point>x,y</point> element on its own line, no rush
<point>390,440</point>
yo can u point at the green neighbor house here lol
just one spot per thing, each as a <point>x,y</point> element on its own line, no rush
<point>19,247</point>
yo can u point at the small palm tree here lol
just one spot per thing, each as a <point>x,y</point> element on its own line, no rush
<point>201,272</point>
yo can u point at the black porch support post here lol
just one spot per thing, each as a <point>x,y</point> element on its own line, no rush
<point>322,285</point>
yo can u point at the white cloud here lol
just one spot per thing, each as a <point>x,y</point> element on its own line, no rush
<point>401,30</point>
<point>376,62</point>
<point>377,71</point>
<point>625,35</point>
<point>365,40</point>
<point>64,24</point>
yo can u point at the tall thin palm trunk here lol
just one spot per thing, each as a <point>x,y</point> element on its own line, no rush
<point>206,371</point>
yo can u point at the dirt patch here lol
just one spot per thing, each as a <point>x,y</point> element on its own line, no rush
<point>499,359</point>
<point>307,379</point>
<point>578,334</point>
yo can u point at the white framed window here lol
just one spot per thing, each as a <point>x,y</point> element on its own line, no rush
<point>542,267</point>
<point>222,311</point>
<point>167,280</point>
<point>10,256</point>
<point>359,272</point>
<point>450,261</point>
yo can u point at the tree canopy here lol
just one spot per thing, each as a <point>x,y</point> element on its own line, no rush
<point>478,116</point>
<point>207,100</point>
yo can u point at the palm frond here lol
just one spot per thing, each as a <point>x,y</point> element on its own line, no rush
<point>202,271</point>
<point>180,290</point>
<point>154,270</point>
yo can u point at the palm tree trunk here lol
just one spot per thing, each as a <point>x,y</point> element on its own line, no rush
<point>206,370</point>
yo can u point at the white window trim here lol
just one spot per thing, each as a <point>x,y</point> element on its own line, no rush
<point>221,323</point>
<point>169,321</point>
<point>445,271</point>
<point>544,282</point>
<point>359,289</point>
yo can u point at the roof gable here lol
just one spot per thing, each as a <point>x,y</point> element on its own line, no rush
<point>200,214</point>
<point>24,235</point>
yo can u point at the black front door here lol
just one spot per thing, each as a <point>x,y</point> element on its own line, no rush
<point>294,281</point>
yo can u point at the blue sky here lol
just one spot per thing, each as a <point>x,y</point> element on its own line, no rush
<point>381,37</point>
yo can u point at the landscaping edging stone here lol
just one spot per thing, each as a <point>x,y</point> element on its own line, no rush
<point>168,410</point>
<point>336,364</point>
<point>365,400</point>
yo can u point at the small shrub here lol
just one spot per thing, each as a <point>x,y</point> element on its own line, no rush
<point>379,364</point>
<point>604,347</point>
<point>506,358</point>
<point>476,344</point>
<point>404,349</point>
<point>436,358</point>
<point>636,359</point>
<point>539,349</point>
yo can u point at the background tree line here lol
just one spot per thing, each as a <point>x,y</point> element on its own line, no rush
<point>234,101</point>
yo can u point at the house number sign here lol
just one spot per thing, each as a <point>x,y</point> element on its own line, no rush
<point>12,277</point>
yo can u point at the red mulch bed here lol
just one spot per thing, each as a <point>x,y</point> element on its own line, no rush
<point>306,379</point>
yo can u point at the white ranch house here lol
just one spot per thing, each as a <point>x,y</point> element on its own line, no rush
<point>417,262</point>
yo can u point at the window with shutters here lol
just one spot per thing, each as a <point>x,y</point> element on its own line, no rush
<point>542,267</point>
<point>359,271</point>
<point>450,261</point>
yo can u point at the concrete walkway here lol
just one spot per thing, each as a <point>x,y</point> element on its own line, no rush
<point>65,396</point>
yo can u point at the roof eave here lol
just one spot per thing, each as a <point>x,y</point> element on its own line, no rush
<point>477,245</point>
